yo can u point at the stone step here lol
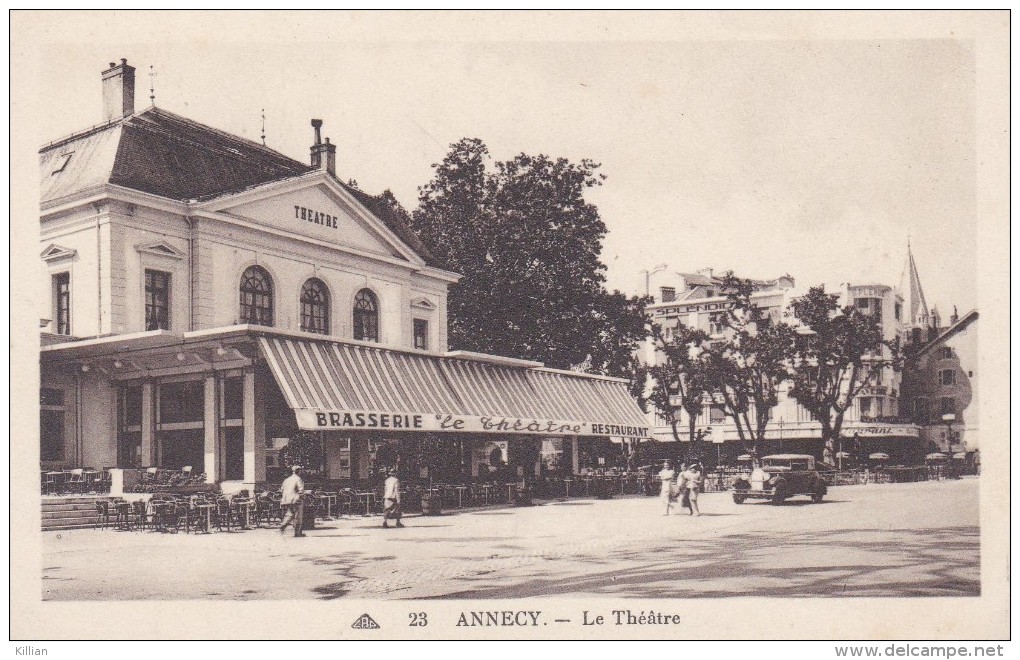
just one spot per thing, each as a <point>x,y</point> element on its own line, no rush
<point>72,513</point>
<point>90,506</point>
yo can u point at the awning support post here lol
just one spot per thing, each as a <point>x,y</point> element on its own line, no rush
<point>211,468</point>
<point>148,424</point>
<point>575,459</point>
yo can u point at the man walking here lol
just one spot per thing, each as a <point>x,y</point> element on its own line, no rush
<point>293,488</point>
<point>391,499</point>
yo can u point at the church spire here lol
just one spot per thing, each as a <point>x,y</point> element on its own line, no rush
<point>918,306</point>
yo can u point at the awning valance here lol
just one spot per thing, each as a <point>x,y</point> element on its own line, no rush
<point>338,386</point>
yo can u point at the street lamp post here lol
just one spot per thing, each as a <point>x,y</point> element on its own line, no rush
<point>648,276</point>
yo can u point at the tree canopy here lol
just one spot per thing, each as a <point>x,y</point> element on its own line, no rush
<point>528,245</point>
<point>842,353</point>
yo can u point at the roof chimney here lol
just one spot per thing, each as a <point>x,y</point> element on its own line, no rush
<point>320,149</point>
<point>118,90</point>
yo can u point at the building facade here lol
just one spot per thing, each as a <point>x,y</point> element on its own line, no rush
<point>873,424</point>
<point>210,299</point>
<point>940,386</point>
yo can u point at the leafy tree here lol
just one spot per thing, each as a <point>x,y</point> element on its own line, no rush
<point>304,448</point>
<point>749,364</point>
<point>843,354</point>
<point>680,378</point>
<point>527,244</point>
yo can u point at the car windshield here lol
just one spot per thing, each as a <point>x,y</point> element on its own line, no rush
<point>793,465</point>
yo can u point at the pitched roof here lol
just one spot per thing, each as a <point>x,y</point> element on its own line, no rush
<point>161,153</point>
<point>964,321</point>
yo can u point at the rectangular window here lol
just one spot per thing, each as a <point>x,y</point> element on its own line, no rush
<point>921,411</point>
<point>947,405</point>
<point>129,443</point>
<point>898,311</point>
<point>421,334</point>
<point>716,323</point>
<point>947,377</point>
<point>233,398</point>
<point>157,300</point>
<point>51,424</point>
<point>716,415</point>
<point>667,294</point>
<point>182,402</point>
<point>62,302</point>
<point>946,353</point>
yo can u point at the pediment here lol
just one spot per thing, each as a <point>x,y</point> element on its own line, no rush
<point>160,249</point>
<point>423,303</point>
<point>320,209</point>
<point>54,252</point>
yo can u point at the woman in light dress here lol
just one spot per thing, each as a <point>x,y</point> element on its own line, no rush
<point>666,475</point>
<point>694,478</point>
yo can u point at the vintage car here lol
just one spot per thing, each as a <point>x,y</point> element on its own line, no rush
<point>781,476</point>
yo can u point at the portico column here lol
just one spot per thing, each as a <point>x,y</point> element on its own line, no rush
<point>212,424</point>
<point>148,423</point>
<point>575,459</point>
<point>254,431</point>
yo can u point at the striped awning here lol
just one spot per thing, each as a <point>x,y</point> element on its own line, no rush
<point>333,385</point>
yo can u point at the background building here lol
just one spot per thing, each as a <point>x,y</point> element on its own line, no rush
<point>873,424</point>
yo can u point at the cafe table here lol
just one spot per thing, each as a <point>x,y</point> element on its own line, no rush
<point>486,489</point>
<point>208,507</point>
<point>568,482</point>
<point>510,492</point>
<point>460,496</point>
<point>369,498</point>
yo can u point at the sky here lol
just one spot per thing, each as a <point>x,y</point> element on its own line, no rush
<point>813,157</point>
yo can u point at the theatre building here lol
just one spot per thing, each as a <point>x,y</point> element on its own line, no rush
<point>211,299</point>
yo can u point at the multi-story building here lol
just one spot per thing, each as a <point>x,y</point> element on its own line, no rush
<point>211,298</point>
<point>873,423</point>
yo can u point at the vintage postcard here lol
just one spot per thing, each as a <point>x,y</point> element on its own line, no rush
<point>486,325</point>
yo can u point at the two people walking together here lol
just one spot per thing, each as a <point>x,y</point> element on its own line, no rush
<point>684,486</point>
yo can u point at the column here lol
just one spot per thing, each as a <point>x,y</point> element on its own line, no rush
<point>254,431</point>
<point>148,423</point>
<point>212,431</point>
<point>575,458</point>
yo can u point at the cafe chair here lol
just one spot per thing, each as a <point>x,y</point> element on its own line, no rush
<point>103,514</point>
<point>77,481</point>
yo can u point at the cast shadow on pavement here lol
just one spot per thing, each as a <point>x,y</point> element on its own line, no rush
<point>921,563</point>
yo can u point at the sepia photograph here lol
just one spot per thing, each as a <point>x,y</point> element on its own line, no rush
<point>440,325</point>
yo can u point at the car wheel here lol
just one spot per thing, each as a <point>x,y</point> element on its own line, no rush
<point>779,494</point>
<point>738,498</point>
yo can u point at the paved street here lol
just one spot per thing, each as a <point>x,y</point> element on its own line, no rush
<point>877,540</point>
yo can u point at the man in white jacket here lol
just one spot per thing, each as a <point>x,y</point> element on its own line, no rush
<point>293,489</point>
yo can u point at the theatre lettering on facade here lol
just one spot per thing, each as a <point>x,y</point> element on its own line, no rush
<point>211,298</point>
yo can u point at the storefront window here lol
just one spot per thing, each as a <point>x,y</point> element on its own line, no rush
<point>51,424</point>
<point>366,316</point>
<point>129,440</point>
<point>256,297</point>
<point>315,307</point>
<point>182,402</point>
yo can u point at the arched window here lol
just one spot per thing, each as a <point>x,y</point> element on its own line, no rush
<point>256,297</point>
<point>366,316</point>
<point>315,307</point>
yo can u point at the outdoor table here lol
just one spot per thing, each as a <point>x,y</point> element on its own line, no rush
<point>88,478</point>
<point>510,492</point>
<point>157,509</point>
<point>568,482</point>
<point>369,498</point>
<point>208,514</point>
<point>330,500</point>
<point>486,488</point>
<point>587,486</point>
<point>460,496</point>
<point>245,505</point>
<point>57,480</point>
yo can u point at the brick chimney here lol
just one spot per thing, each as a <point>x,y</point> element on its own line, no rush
<point>323,153</point>
<point>118,90</point>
